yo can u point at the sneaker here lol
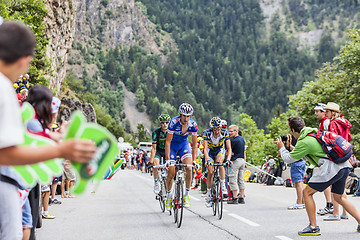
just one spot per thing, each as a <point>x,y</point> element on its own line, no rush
<point>332,218</point>
<point>55,201</point>
<point>168,203</point>
<point>309,230</point>
<point>358,229</point>
<point>233,201</point>
<point>344,217</point>
<point>195,187</point>
<point>225,193</point>
<point>48,216</point>
<point>187,201</point>
<point>156,187</point>
<point>208,202</point>
<point>325,210</point>
<point>296,206</point>
<point>241,200</point>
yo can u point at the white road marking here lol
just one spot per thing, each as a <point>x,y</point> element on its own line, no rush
<point>194,198</point>
<point>283,238</point>
<point>244,220</point>
<point>143,177</point>
<point>225,210</point>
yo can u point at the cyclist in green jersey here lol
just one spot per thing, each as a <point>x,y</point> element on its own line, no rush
<point>158,147</point>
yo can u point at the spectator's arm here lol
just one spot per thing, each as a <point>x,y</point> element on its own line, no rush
<point>285,155</point>
<point>76,150</point>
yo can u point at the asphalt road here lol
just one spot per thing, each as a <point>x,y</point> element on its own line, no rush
<point>125,208</point>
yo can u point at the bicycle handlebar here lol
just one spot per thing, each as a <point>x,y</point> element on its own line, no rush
<point>160,166</point>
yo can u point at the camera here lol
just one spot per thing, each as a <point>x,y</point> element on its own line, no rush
<point>283,138</point>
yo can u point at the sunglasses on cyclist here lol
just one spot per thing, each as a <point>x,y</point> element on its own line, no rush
<point>216,128</point>
<point>165,122</point>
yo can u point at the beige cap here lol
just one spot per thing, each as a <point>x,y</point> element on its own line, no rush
<point>332,106</point>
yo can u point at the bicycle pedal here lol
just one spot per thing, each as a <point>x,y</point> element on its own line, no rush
<point>157,197</point>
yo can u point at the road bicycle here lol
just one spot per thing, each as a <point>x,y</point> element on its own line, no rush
<point>178,196</point>
<point>268,167</point>
<point>161,196</point>
<point>216,192</point>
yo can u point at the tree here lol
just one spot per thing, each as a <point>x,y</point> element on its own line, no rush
<point>141,133</point>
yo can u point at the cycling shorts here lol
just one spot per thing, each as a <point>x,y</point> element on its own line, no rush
<point>182,149</point>
<point>160,154</point>
<point>213,154</point>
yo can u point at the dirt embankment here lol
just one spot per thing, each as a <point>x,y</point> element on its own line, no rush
<point>132,114</point>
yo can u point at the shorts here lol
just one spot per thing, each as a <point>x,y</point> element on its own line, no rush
<point>160,155</point>
<point>45,188</point>
<point>182,149</point>
<point>26,215</point>
<point>69,175</point>
<point>297,171</point>
<point>337,182</point>
<point>57,179</point>
<point>213,154</point>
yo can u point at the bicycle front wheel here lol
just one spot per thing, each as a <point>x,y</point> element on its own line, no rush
<point>220,201</point>
<point>174,203</point>
<point>214,199</point>
<point>162,196</point>
<point>180,206</point>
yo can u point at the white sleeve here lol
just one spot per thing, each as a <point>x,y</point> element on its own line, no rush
<point>326,124</point>
<point>285,155</point>
<point>11,127</point>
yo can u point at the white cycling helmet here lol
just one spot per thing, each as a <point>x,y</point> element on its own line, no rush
<point>223,123</point>
<point>215,122</point>
<point>186,109</point>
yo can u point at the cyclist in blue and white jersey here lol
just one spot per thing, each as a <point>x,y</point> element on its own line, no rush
<point>215,139</point>
<point>177,144</point>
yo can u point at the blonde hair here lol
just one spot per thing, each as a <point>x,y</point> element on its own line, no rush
<point>334,115</point>
<point>235,127</point>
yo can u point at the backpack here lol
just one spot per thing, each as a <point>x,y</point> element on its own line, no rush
<point>336,147</point>
<point>351,184</point>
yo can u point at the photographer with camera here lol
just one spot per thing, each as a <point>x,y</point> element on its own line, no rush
<point>297,171</point>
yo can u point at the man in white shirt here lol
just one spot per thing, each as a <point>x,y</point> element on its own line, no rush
<point>17,43</point>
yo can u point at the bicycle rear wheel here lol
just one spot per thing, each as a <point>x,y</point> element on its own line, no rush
<point>214,199</point>
<point>180,202</point>
<point>220,201</point>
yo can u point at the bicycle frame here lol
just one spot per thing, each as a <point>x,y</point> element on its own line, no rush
<point>178,196</point>
<point>216,192</point>
<point>162,181</point>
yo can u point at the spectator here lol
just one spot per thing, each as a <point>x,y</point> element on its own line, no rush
<point>324,125</point>
<point>340,126</point>
<point>328,174</point>
<point>238,163</point>
<point>68,180</point>
<point>17,43</point>
<point>297,171</point>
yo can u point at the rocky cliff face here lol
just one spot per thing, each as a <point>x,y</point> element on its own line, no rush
<point>117,22</point>
<point>68,105</point>
<point>60,29</point>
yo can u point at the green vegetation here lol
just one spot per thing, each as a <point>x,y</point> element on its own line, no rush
<point>31,12</point>
<point>225,65</point>
<point>338,82</point>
